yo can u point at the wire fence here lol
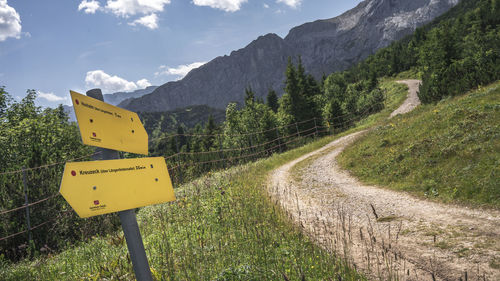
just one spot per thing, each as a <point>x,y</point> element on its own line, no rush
<point>182,166</point>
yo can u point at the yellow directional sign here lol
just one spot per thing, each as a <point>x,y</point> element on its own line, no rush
<point>100,187</point>
<point>105,125</point>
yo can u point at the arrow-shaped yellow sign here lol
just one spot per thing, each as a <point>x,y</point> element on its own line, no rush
<point>105,125</point>
<point>100,187</point>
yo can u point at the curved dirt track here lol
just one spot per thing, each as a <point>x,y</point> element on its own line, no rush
<point>412,239</point>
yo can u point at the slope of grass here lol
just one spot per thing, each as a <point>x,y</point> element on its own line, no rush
<point>222,227</point>
<point>449,151</point>
<point>395,93</point>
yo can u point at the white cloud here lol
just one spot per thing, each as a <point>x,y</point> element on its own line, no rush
<point>126,8</point>
<point>89,7</point>
<point>266,6</point>
<point>225,5</point>
<point>150,21</point>
<point>51,97</point>
<point>180,71</point>
<point>292,3</point>
<point>111,84</point>
<point>143,83</point>
<point>10,22</point>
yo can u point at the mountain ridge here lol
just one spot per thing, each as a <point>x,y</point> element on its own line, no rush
<point>325,46</point>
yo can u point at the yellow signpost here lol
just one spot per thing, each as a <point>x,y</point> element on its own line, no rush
<point>119,185</point>
<point>101,187</point>
<point>105,125</point>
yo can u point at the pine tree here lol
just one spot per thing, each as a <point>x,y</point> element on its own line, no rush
<point>292,87</point>
<point>249,96</point>
<point>210,131</point>
<point>332,114</point>
<point>272,100</point>
<point>181,138</point>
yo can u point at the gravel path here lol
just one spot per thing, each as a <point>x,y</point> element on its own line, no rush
<point>383,233</point>
<point>411,101</point>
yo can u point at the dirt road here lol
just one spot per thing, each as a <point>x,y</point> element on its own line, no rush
<point>383,233</point>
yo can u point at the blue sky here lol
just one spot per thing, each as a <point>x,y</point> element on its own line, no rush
<point>53,46</point>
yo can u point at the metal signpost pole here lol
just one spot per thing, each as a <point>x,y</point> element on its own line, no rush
<point>128,220</point>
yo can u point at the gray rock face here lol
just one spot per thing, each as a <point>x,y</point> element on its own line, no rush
<point>324,45</point>
<point>259,65</point>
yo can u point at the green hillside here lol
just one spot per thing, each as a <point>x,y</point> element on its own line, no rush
<point>221,227</point>
<point>449,151</point>
<point>189,117</point>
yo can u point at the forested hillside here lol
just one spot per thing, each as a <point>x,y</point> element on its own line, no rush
<point>458,51</point>
<point>157,123</point>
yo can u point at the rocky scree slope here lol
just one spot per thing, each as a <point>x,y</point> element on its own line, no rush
<point>324,45</point>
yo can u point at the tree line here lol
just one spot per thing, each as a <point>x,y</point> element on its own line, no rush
<point>33,137</point>
<point>331,103</point>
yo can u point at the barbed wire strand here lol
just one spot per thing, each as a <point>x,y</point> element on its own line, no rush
<point>36,226</point>
<point>49,165</point>
<point>241,148</point>
<point>29,205</point>
<point>258,145</point>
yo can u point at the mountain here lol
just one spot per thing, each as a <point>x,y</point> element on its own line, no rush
<point>325,46</point>
<point>118,97</point>
<point>114,99</point>
<point>223,80</point>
